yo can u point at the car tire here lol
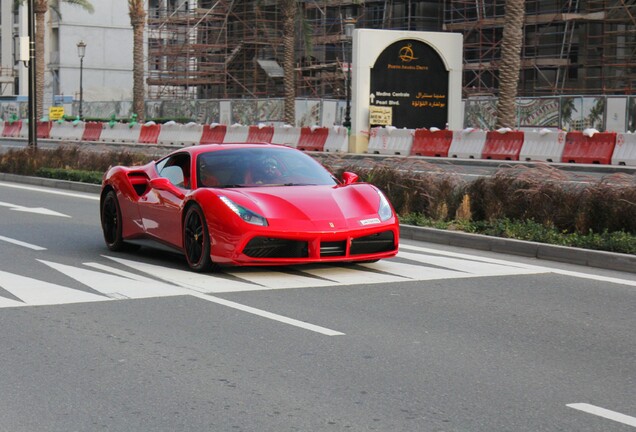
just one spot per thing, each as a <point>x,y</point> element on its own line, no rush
<point>112,222</point>
<point>196,240</point>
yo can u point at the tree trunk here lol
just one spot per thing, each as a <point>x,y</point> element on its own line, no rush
<point>510,63</point>
<point>289,39</point>
<point>138,21</point>
<point>40,7</point>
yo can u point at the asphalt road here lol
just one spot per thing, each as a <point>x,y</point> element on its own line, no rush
<point>437,339</point>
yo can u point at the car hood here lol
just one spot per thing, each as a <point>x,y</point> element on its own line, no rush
<point>312,207</point>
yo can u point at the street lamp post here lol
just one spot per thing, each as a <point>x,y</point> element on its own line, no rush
<point>349,26</point>
<point>33,132</point>
<point>81,51</point>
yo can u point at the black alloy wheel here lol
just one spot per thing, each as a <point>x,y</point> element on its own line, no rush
<point>196,240</point>
<point>111,222</point>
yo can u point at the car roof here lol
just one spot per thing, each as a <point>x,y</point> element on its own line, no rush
<point>206,148</point>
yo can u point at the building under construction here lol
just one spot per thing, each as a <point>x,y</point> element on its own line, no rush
<point>234,49</point>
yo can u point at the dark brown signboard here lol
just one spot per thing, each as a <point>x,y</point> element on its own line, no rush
<point>410,77</point>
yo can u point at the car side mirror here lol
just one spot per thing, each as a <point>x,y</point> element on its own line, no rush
<point>162,183</point>
<point>349,177</point>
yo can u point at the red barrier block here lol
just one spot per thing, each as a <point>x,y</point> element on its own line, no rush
<point>149,133</point>
<point>597,149</point>
<point>12,130</point>
<point>431,143</point>
<point>44,129</point>
<point>260,135</point>
<point>213,134</point>
<point>502,146</point>
<point>92,131</point>
<point>313,140</point>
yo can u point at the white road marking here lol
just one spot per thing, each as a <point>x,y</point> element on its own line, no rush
<point>35,292</point>
<point>150,280</point>
<point>118,272</point>
<point>464,256</point>
<point>116,287</point>
<point>112,285</point>
<point>50,191</point>
<point>469,266</point>
<point>36,210</point>
<point>595,277</point>
<point>605,413</point>
<point>416,272</point>
<point>203,283</point>
<point>21,243</point>
<point>272,316</point>
<point>350,276</point>
<point>532,268</point>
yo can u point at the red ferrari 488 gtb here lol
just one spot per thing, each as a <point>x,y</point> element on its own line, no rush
<point>247,204</point>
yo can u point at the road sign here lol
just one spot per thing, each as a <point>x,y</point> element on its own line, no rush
<point>410,77</point>
<point>56,112</point>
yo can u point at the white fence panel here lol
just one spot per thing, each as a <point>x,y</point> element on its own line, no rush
<point>120,133</point>
<point>625,149</point>
<point>467,144</point>
<point>67,131</point>
<point>337,140</point>
<point>286,135</point>
<point>175,134</point>
<point>544,145</point>
<point>236,134</point>
<point>391,141</point>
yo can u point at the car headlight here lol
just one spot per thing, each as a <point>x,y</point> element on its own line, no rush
<point>245,214</point>
<point>384,211</point>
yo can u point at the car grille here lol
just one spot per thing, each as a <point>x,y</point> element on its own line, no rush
<point>380,242</point>
<point>333,248</point>
<point>266,247</point>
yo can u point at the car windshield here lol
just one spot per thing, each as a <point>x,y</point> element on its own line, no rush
<point>252,167</point>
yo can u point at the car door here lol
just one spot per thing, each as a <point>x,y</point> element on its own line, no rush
<point>160,207</point>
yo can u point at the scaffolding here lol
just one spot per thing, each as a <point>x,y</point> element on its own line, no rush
<point>233,48</point>
<point>213,49</point>
<point>570,46</point>
<point>7,81</point>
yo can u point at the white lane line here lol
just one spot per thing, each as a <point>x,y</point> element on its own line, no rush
<point>21,243</point>
<point>51,191</point>
<point>594,277</point>
<point>269,315</point>
<point>605,413</point>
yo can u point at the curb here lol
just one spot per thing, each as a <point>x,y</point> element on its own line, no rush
<point>571,255</point>
<point>584,257</point>
<point>58,184</point>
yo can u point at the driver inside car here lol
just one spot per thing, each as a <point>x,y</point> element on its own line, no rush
<point>265,171</point>
<point>206,178</point>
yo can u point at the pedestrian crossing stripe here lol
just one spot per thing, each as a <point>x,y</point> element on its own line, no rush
<point>130,279</point>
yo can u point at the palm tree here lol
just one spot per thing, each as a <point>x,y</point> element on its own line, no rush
<point>137,14</point>
<point>288,11</point>
<point>510,63</point>
<point>40,8</point>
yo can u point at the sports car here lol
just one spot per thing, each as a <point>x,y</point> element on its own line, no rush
<point>247,204</point>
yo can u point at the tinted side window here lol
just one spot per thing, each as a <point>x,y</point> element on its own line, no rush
<point>176,168</point>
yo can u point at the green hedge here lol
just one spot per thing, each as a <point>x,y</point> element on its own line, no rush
<point>93,177</point>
